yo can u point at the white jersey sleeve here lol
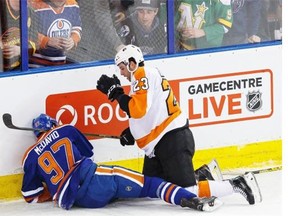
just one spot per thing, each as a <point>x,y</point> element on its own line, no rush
<point>153,108</point>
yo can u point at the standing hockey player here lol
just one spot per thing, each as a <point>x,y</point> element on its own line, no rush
<point>160,128</point>
<point>58,167</point>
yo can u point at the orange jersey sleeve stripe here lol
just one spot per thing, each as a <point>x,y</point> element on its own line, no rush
<point>156,131</point>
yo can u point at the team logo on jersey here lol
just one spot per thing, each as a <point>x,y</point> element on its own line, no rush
<point>254,101</point>
<point>60,28</point>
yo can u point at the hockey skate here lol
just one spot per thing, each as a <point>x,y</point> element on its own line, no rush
<point>248,187</point>
<point>209,171</point>
<point>202,204</point>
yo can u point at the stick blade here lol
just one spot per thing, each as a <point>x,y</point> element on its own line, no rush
<point>7,119</point>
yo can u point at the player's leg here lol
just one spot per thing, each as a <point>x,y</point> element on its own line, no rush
<point>97,187</point>
<point>175,151</point>
<point>131,184</point>
<point>173,194</point>
<point>210,171</point>
<point>152,167</point>
<point>245,185</point>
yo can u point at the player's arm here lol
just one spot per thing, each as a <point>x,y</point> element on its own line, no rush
<point>123,101</point>
<point>223,22</point>
<point>137,103</point>
<point>81,142</point>
<point>45,195</point>
<point>33,190</point>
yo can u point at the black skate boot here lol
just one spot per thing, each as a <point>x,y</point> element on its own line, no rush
<point>202,204</point>
<point>203,173</point>
<point>241,186</point>
<point>209,171</point>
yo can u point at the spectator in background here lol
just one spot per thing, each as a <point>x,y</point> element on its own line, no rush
<point>119,10</point>
<point>275,19</point>
<point>99,38</point>
<point>263,30</point>
<point>10,52</point>
<point>201,23</point>
<point>144,29</point>
<point>246,20</point>
<point>59,30</point>
<point>1,54</point>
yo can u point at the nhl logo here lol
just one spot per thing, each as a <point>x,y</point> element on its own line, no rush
<point>254,101</point>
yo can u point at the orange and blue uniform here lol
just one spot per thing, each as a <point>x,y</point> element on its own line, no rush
<point>59,167</point>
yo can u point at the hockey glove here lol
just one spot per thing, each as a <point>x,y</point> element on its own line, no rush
<point>117,91</point>
<point>126,137</point>
<point>110,86</point>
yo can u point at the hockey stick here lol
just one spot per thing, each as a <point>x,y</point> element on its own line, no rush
<point>265,170</point>
<point>7,119</point>
<point>271,169</point>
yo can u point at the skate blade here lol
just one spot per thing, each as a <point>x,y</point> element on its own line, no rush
<point>209,207</point>
<point>253,184</point>
<point>215,170</point>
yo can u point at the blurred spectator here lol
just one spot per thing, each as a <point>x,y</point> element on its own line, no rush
<point>10,53</point>
<point>119,10</point>
<point>99,38</point>
<point>275,19</point>
<point>264,30</point>
<point>201,23</point>
<point>1,45</point>
<point>59,30</point>
<point>144,29</point>
<point>246,20</point>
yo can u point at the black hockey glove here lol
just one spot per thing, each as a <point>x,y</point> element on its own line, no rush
<point>110,86</point>
<point>126,137</point>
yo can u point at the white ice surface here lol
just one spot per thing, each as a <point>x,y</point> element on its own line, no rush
<point>270,184</point>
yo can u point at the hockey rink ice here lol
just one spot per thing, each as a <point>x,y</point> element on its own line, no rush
<point>270,184</point>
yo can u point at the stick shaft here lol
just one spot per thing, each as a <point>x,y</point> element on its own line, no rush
<point>258,171</point>
<point>7,119</point>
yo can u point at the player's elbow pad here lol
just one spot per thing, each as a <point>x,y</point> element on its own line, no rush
<point>123,101</point>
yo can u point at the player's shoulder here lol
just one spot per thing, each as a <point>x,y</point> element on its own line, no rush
<point>65,127</point>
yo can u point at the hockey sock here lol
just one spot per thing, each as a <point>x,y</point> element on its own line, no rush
<point>170,193</point>
<point>214,188</point>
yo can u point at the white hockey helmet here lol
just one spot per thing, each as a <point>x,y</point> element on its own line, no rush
<point>127,52</point>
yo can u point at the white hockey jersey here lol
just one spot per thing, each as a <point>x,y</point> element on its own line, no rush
<point>153,108</point>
